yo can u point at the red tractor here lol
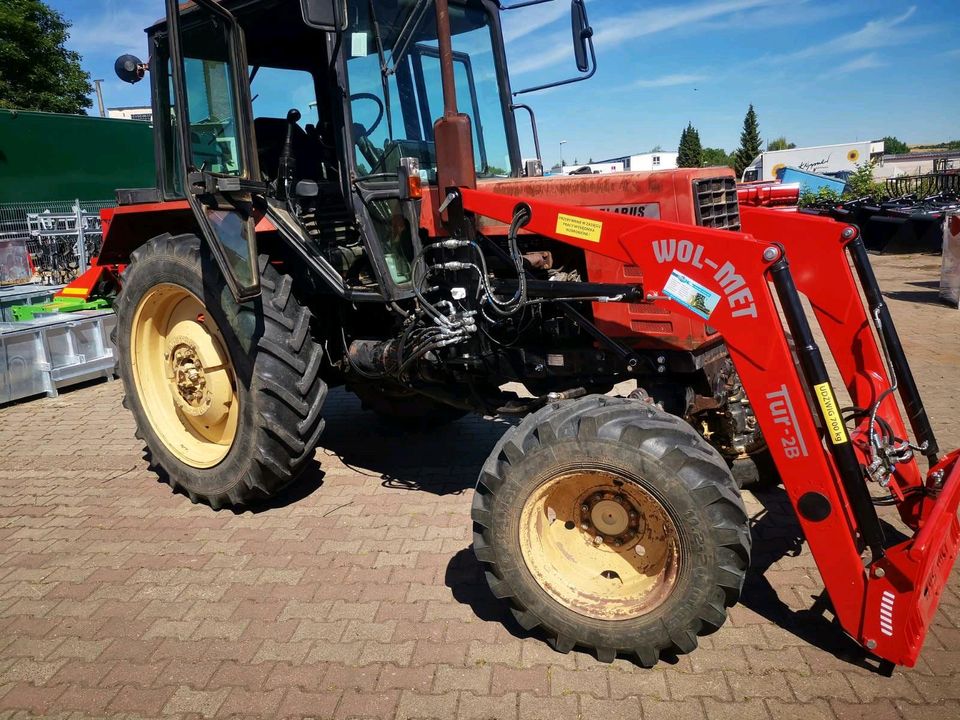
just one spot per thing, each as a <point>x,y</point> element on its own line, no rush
<point>381,238</point>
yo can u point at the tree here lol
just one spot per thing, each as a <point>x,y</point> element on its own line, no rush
<point>780,143</point>
<point>894,146</point>
<point>860,184</point>
<point>690,152</point>
<point>750,142</point>
<point>716,157</point>
<point>36,71</point>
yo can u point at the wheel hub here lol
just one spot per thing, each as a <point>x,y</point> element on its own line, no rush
<point>188,377</point>
<point>184,377</point>
<point>600,544</point>
<point>611,516</point>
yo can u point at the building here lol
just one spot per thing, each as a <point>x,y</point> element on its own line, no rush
<point>593,168</point>
<point>657,160</point>
<point>131,113</point>
<point>917,163</point>
<point>654,160</point>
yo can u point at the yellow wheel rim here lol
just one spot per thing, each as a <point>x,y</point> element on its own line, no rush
<point>600,545</point>
<point>183,375</point>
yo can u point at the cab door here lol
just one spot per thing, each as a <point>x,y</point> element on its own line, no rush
<point>215,131</point>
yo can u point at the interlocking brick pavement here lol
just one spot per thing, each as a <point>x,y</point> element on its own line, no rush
<point>356,595</point>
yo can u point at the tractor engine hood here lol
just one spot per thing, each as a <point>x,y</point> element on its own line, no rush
<point>665,194</point>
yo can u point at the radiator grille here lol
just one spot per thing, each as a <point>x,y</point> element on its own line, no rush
<point>716,202</point>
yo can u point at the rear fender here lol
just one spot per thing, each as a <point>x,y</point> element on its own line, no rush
<point>127,227</point>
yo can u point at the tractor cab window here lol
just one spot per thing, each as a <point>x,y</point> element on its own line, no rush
<point>208,77</point>
<point>396,92</point>
<point>274,92</point>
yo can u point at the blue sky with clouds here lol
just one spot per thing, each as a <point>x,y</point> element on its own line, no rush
<point>817,72</point>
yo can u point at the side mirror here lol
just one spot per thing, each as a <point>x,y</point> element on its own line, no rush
<point>130,68</point>
<point>330,15</point>
<point>583,50</point>
<point>582,33</point>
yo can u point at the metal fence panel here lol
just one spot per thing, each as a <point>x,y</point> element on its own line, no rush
<point>61,236</point>
<point>930,184</point>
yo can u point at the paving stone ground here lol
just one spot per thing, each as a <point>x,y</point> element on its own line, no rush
<point>356,594</point>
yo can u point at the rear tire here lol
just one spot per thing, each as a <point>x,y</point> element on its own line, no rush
<point>645,485</point>
<point>234,416</point>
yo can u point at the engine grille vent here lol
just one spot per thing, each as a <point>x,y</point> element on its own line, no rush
<point>717,205</point>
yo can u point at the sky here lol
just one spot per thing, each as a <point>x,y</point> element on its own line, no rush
<point>817,72</point>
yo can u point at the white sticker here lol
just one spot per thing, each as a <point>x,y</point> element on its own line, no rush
<point>358,45</point>
<point>691,294</point>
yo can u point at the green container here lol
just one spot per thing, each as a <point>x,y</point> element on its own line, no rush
<point>45,156</point>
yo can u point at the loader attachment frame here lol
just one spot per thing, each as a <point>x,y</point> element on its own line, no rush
<point>734,280</point>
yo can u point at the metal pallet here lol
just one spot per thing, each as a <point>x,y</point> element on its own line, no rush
<point>46,354</point>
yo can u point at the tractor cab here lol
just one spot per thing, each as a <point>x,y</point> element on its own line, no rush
<point>320,117</point>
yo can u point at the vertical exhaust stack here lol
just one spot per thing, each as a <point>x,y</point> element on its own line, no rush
<point>452,132</point>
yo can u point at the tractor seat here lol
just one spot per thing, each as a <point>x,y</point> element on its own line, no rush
<point>271,134</point>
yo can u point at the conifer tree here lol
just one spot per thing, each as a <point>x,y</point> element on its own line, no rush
<point>750,142</point>
<point>690,152</point>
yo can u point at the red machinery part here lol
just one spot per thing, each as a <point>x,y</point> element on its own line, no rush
<point>731,272</point>
<point>769,194</point>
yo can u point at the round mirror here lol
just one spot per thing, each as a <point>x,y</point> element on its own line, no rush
<point>129,68</point>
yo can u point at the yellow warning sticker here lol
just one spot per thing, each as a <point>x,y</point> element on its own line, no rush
<point>579,227</point>
<point>831,413</point>
<point>74,291</point>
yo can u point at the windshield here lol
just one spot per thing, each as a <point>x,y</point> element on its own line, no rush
<point>394,118</point>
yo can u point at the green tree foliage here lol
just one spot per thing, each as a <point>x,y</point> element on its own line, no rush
<point>859,185</point>
<point>949,145</point>
<point>690,152</point>
<point>36,71</point>
<point>894,146</point>
<point>717,157</point>
<point>780,143</point>
<point>750,142</point>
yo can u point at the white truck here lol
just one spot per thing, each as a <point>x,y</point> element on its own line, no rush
<point>821,159</point>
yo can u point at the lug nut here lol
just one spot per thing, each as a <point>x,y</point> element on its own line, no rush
<point>584,508</point>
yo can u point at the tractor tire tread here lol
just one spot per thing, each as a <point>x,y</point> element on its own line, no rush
<point>674,445</point>
<point>285,385</point>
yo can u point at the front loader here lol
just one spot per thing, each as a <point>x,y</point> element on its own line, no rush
<point>383,238</point>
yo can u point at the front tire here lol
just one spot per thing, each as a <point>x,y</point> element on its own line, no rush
<point>226,397</point>
<point>613,526</point>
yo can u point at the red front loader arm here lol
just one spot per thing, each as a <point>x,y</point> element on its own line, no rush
<point>729,279</point>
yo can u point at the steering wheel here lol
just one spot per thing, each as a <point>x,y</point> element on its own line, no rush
<point>365,132</point>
